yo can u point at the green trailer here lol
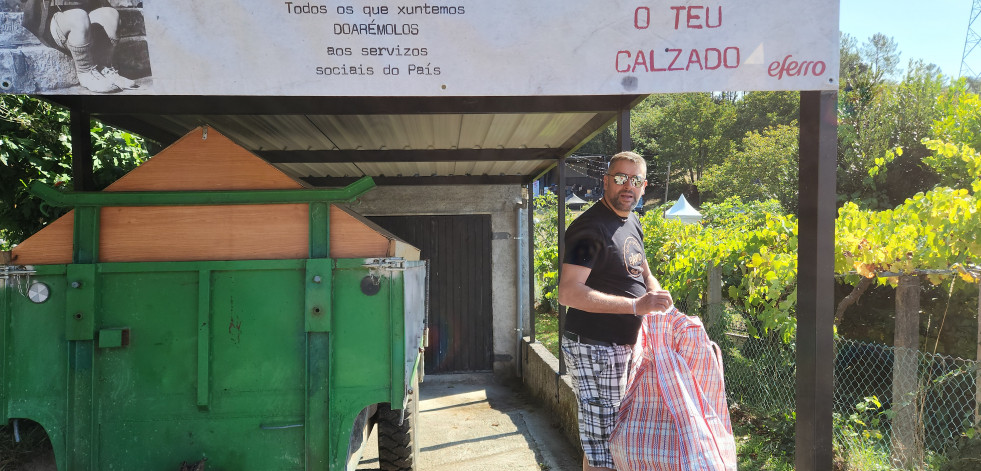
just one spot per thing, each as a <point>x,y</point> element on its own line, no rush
<point>253,364</point>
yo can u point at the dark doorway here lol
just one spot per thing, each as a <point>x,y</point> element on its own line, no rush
<point>460,316</point>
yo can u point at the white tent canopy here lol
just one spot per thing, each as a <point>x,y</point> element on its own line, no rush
<point>683,212</point>
<point>575,201</point>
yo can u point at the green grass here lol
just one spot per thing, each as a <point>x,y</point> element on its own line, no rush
<point>763,442</point>
<point>547,331</point>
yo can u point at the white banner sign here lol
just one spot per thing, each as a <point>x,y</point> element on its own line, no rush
<point>468,48</point>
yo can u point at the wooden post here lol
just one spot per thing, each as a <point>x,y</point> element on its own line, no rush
<point>714,297</point>
<point>907,428</point>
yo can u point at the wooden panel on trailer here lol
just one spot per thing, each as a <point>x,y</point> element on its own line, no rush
<point>232,232</point>
<point>52,245</point>
<point>215,163</point>
<point>193,163</point>
<point>228,232</point>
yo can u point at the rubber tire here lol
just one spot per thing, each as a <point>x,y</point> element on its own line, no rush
<point>398,446</point>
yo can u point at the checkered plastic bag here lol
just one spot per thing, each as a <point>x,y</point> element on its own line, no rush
<point>674,414</point>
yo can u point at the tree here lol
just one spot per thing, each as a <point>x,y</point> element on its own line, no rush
<point>973,84</point>
<point>35,145</point>
<point>766,167</point>
<point>955,139</point>
<point>642,131</point>
<point>756,111</point>
<point>851,65</point>
<point>881,55</point>
<point>603,143</point>
<point>877,115</point>
<point>911,106</point>
<point>692,130</point>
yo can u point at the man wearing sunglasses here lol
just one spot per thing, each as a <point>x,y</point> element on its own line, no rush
<point>607,284</point>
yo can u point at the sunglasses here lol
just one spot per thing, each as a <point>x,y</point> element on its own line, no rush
<point>621,178</point>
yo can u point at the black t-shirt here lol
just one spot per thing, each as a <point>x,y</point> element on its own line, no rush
<point>613,247</point>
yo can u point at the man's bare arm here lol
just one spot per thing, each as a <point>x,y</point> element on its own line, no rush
<point>649,279</point>
<point>573,292</point>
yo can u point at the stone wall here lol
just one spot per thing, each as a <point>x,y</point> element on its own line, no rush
<point>540,375</point>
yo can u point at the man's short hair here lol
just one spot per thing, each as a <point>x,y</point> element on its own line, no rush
<point>633,157</point>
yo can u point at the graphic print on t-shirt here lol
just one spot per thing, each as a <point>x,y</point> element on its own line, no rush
<point>633,256</point>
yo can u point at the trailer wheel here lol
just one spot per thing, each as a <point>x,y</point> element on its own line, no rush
<point>398,445</point>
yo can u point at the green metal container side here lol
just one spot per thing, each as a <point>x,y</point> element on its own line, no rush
<point>369,350</point>
<point>34,385</point>
<point>231,361</point>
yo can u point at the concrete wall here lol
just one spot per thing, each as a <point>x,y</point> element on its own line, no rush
<point>504,204</point>
<point>541,379</point>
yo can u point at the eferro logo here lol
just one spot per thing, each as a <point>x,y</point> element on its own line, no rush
<point>792,68</point>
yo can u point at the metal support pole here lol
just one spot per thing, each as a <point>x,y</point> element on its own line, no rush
<point>561,232</point>
<point>521,262</point>
<point>531,261</point>
<point>623,130</point>
<point>80,126</point>
<point>815,285</point>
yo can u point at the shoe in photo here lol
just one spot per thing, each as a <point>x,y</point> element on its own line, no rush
<point>96,82</point>
<point>118,80</point>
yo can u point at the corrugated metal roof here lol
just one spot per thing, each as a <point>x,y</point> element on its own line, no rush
<point>398,132</point>
<point>388,132</point>
<point>495,138</point>
<point>409,169</point>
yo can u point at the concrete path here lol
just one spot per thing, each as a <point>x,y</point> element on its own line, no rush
<point>471,422</point>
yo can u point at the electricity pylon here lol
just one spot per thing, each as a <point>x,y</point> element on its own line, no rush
<point>971,42</point>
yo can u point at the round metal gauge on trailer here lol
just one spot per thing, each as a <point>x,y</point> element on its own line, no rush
<point>38,293</point>
<point>370,285</point>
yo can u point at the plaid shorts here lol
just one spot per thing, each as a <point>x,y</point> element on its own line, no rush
<point>599,376</point>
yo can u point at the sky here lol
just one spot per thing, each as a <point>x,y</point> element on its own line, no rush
<point>932,30</point>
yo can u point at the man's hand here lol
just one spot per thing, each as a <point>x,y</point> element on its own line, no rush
<point>657,300</point>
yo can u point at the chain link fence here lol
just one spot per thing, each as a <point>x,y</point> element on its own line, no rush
<point>901,417</point>
<point>884,418</point>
